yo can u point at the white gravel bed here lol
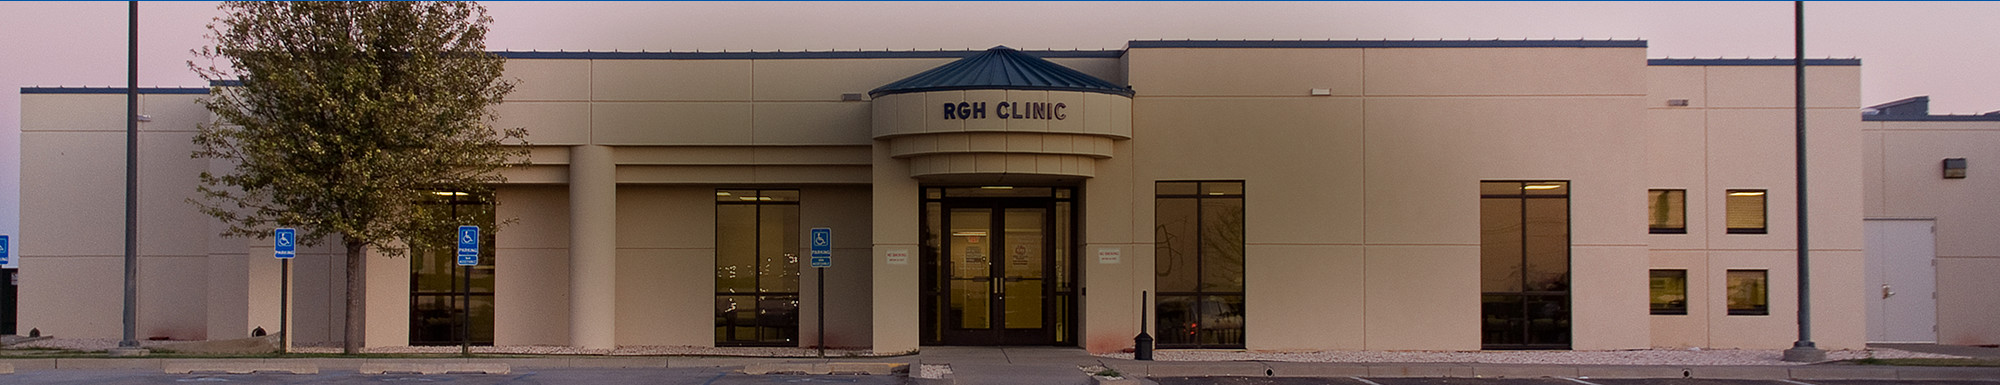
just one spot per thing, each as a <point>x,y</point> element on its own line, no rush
<point>1694,357</point>
<point>933,371</point>
<point>620,351</point>
<point>85,344</point>
<point>100,344</point>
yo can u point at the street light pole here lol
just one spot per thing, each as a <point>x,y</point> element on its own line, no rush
<point>1802,350</point>
<point>130,344</point>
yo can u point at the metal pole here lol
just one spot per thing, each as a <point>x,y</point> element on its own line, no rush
<point>1803,350</point>
<point>130,340</point>
<point>1142,345</point>
<point>465,314</point>
<point>284,305</point>
<point>822,311</point>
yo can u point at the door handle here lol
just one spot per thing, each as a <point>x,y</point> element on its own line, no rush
<point>1886,293</point>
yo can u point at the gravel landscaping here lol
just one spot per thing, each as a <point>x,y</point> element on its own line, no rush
<point>1610,357</point>
<point>100,344</point>
<point>1695,357</point>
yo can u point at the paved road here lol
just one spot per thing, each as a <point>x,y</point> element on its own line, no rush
<point>694,376</point>
<point>1527,381</point>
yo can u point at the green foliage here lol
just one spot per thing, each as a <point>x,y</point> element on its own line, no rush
<point>349,116</point>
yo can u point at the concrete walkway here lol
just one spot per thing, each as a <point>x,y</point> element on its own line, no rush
<point>1050,365</point>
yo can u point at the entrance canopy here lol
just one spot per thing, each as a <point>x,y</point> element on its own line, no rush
<point>1001,68</point>
<point>1002,116</point>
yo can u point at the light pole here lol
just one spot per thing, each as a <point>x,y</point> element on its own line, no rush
<point>129,346</point>
<point>1802,350</point>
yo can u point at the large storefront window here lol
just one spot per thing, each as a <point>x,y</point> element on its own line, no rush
<point>1524,265</point>
<point>756,267</point>
<point>438,286</point>
<point>1198,268</point>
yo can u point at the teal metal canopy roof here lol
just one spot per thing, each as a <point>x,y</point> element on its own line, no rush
<point>1001,68</point>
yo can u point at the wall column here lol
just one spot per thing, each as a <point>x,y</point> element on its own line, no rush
<point>895,306</point>
<point>593,263</point>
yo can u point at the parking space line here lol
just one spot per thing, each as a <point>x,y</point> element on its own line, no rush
<point>1793,382</point>
<point>1578,381</point>
<point>1364,380</point>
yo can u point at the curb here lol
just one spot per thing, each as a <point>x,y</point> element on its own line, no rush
<point>1447,370</point>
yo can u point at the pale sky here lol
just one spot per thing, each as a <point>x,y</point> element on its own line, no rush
<point>1946,50</point>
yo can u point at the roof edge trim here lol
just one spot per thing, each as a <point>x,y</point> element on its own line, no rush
<point>1750,62</point>
<point>953,54</point>
<point>114,90</point>
<point>1930,118</point>
<point>1386,44</point>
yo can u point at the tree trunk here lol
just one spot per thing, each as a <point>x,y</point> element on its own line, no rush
<point>353,330</point>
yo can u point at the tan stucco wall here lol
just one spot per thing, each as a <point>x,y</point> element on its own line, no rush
<point>1737,133</point>
<point>1367,199</point>
<point>71,241</point>
<point>1903,181</point>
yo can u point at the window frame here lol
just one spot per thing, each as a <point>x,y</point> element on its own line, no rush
<point>1764,197</point>
<point>757,294</point>
<point>1201,296</point>
<point>463,290</point>
<point>1651,228</point>
<point>1654,296</point>
<point>1729,284</point>
<point>1522,295</point>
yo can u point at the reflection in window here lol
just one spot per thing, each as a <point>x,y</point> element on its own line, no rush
<point>438,286</point>
<point>1667,211</point>
<point>1524,264</point>
<point>1746,211</point>
<point>1198,270</point>
<point>756,267</point>
<point>1749,293</point>
<point>1669,292</point>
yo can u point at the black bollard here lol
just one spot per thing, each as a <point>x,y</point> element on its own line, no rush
<point>1142,346</point>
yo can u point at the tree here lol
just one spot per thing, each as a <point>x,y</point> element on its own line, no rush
<point>348,117</point>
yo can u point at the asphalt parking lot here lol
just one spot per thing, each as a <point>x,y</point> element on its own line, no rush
<point>1530,381</point>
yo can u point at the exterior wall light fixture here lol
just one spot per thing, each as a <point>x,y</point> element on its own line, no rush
<point>1954,168</point>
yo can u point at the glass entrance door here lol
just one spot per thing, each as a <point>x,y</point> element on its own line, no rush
<point>998,286</point>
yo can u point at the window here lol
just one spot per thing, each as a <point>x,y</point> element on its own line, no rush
<point>1746,211</point>
<point>439,287</point>
<point>1749,293</point>
<point>756,267</point>
<point>1667,211</point>
<point>1670,292</point>
<point>1524,264</point>
<point>1198,268</point>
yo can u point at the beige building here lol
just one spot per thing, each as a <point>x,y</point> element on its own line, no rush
<point>1262,195</point>
<point>1930,215</point>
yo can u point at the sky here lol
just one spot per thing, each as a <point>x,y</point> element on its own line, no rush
<point>1943,49</point>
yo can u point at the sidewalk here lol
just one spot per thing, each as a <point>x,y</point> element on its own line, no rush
<point>1059,366</point>
<point>1050,365</point>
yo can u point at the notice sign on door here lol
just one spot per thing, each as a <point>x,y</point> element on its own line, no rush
<point>1108,256</point>
<point>972,255</point>
<point>897,257</point>
<point>1020,255</point>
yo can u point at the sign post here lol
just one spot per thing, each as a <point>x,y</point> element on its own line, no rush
<point>285,246</point>
<point>822,258</point>
<point>468,256</point>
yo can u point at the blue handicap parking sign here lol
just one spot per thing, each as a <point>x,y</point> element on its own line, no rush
<point>285,243</point>
<point>822,247</point>
<point>4,257</point>
<point>468,245</point>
